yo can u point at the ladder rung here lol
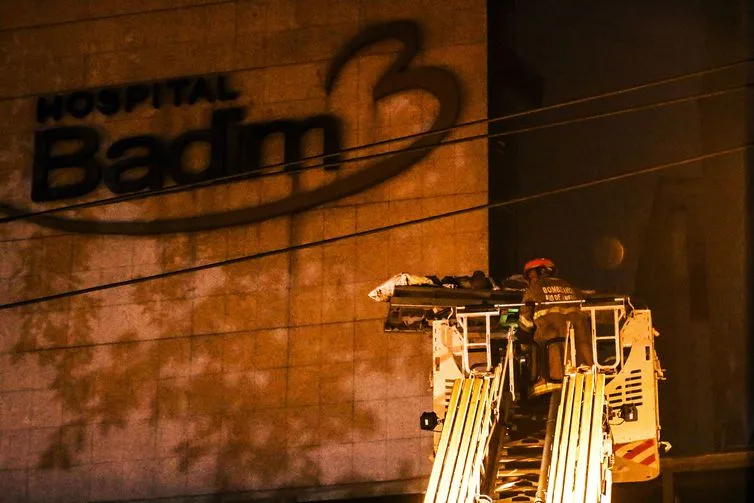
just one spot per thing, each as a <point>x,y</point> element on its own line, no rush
<point>518,484</point>
<point>521,498</point>
<point>522,459</point>
<point>518,472</point>
<point>525,442</point>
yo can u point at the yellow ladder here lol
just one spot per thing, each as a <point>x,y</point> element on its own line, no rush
<point>577,472</point>
<point>464,440</point>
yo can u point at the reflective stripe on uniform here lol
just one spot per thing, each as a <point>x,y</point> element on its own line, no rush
<point>525,322</point>
<point>556,310</point>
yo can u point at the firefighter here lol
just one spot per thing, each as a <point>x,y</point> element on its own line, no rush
<point>547,322</point>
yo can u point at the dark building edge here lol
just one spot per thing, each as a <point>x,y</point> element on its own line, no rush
<point>501,152</point>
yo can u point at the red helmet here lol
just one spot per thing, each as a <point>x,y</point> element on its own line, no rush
<point>540,263</point>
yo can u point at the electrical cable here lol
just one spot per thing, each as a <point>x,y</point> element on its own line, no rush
<point>265,171</point>
<point>157,339</point>
<point>116,15</point>
<point>275,169</point>
<point>302,246</point>
<point>433,217</point>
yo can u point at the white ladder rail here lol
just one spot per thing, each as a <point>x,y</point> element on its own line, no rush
<point>619,312</point>
<point>463,320</point>
<point>578,466</point>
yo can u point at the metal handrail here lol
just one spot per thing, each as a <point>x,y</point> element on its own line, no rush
<point>619,312</point>
<point>618,308</point>
<point>569,351</point>
<point>463,321</point>
<point>616,300</point>
<point>508,366</point>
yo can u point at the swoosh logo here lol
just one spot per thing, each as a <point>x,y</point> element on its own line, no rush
<point>400,76</point>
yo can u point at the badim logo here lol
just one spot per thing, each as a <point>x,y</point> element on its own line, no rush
<point>144,162</point>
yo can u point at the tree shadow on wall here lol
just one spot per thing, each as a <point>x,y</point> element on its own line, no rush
<point>230,426</point>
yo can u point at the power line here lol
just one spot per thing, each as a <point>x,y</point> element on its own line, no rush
<point>161,339</point>
<point>291,248</point>
<point>275,169</point>
<point>87,19</point>
<point>268,170</point>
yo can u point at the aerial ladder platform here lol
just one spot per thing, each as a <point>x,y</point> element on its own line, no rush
<point>497,442</point>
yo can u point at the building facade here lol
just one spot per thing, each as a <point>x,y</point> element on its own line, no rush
<point>249,360</point>
<point>239,174</point>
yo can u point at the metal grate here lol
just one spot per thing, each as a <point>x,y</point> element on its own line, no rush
<point>628,392</point>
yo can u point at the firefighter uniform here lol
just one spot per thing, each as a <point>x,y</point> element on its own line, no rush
<point>550,321</point>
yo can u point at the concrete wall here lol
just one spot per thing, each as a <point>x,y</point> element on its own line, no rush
<point>270,374</point>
